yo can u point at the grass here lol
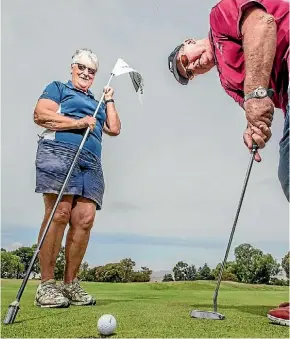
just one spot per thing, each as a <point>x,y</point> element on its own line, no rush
<point>152,310</point>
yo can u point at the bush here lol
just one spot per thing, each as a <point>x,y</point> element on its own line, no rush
<point>279,282</point>
<point>167,277</point>
<point>228,276</point>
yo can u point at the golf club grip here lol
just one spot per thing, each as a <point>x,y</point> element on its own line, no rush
<point>255,148</point>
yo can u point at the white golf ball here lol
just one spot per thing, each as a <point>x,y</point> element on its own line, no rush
<point>107,324</point>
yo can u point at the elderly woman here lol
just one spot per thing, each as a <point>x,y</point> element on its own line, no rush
<point>65,110</point>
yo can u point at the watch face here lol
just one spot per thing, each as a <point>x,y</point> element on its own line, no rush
<point>261,92</point>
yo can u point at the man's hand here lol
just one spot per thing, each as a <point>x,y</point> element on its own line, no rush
<point>258,136</point>
<point>259,112</point>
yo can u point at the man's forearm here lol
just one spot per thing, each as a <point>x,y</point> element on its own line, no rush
<point>259,43</point>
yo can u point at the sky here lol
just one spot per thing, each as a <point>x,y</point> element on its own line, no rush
<point>175,173</point>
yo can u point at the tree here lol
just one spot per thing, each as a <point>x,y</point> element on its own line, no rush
<point>36,266</point>
<point>191,273</point>
<point>180,271</point>
<point>252,266</point>
<point>91,274</point>
<point>25,254</point>
<point>286,263</point>
<point>168,277</point>
<point>267,268</point>
<point>60,265</point>
<point>112,272</point>
<point>228,276</point>
<point>204,273</point>
<point>83,271</point>
<point>229,273</point>
<point>11,266</point>
<point>279,282</point>
<point>127,265</point>
<point>146,272</point>
<point>142,276</point>
<point>86,273</point>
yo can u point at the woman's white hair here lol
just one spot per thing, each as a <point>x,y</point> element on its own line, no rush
<point>79,53</point>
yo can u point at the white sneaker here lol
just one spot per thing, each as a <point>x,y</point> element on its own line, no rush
<point>76,294</point>
<point>49,295</point>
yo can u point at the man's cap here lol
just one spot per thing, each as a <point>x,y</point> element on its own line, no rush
<point>172,65</point>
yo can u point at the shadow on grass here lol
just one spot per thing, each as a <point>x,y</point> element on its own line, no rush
<point>101,336</point>
<point>52,312</point>
<point>100,302</point>
<point>145,297</point>
<point>259,310</point>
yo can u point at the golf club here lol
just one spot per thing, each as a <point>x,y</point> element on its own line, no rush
<point>215,315</point>
<point>14,306</point>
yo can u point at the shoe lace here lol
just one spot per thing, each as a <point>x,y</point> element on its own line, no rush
<point>52,290</point>
<point>78,289</point>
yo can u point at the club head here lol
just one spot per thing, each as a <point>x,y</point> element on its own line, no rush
<point>11,313</point>
<point>206,315</point>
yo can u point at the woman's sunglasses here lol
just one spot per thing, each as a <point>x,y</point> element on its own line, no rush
<point>82,67</point>
<point>185,62</point>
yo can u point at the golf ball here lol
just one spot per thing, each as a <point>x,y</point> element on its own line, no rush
<point>107,324</point>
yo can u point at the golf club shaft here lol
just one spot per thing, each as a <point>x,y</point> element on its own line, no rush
<point>59,197</point>
<point>254,150</point>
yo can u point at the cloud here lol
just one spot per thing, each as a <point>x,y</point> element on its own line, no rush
<point>14,246</point>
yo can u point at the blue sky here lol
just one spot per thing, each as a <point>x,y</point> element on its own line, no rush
<point>174,175</point>
<point>147,251</point>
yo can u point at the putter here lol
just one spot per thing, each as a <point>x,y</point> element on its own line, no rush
<point>214,315</point>
<point>14,306</point>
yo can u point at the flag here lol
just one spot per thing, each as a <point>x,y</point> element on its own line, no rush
<point>121,67</point>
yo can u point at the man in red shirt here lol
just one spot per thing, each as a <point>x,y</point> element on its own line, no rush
<point>248,43</point>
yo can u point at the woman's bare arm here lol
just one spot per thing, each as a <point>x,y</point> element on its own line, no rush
<point>45,115</point>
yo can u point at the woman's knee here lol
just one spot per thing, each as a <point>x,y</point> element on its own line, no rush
<point>62,215</point>
<point>63,211</point>
<point>86,220</point>
<point>83,217</point>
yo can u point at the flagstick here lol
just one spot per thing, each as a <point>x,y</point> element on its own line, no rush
<point>102,97</point>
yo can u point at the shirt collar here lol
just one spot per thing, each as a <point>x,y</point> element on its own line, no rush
<point>69,84</point>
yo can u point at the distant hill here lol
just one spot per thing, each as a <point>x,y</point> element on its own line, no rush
<point>158,275</point>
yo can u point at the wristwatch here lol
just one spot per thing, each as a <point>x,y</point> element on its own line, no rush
<point>259,93</point>
<point>109,100</point>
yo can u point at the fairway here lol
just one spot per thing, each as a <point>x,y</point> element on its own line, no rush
<point>150,310</point>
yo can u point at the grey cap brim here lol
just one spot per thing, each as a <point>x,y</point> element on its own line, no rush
<point>172,62</point>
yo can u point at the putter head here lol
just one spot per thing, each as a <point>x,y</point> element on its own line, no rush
<point>206,315</point>
<point>11,313</point>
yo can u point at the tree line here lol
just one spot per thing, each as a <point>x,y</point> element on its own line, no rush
<point>250,266</point>
<point>15,263</point>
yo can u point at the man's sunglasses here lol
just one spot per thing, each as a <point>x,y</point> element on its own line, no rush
<point>82,67</point>
<point>185,63</point>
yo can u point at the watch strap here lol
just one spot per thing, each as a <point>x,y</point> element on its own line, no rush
<point>109,100</point>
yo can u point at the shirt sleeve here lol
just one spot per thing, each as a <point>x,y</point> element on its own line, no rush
<point>235,94</point>
<point>226,16</point>
<point>52,91</point>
